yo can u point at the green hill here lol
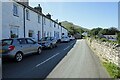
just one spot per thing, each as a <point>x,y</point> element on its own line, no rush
<point>72,28</point>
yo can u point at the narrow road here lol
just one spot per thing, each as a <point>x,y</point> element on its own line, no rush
<point>36,66</point>
<point>80,62</point>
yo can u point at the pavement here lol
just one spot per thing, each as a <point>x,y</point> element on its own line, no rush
<point>80,62</point>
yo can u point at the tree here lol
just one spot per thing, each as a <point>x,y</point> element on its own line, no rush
<point>109,31</point>
<point>113,31</point>
<point>95,31</point>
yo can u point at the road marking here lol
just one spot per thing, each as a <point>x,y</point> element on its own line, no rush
<point>66,48</point>
<point>51,57</point>
<point>72,44</point>
<point>47,60</point>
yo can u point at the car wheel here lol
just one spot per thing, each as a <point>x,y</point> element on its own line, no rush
<point>39,51</point>
<point>18,57</point>
<point>55,45</point>
<point>51,46</point>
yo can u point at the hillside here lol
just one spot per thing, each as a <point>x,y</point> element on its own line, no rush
<point>72,28</point>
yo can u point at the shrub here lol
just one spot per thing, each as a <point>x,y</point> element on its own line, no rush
<point>118,37</point>
<point>103,39</point>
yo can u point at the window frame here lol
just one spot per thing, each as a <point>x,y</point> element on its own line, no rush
<point>15,10</point>
<point>27,14</point>
<point>39,19</point>
<point>29,40</point>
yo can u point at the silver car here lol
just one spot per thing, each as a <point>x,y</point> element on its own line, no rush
<point>48,42</point>
<point>18,47</point>
<point>65,39</point>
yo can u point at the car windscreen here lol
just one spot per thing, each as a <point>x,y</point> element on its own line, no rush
<point>7,42</point>
<point>45,39</point>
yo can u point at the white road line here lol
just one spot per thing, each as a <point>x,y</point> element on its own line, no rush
<point>66,48</point>
<point>72,44</point>
<point>47,60</point>
<point>51,57</point>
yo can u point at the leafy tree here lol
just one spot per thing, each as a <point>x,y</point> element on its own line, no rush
<point>95,31</point>
<point>110,31</point>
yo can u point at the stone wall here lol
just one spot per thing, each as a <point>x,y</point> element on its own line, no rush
<point>105,50</point>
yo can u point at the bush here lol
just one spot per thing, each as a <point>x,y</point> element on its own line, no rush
<point>103,39</point>
<point>113,69</point>
<point>118,37</point>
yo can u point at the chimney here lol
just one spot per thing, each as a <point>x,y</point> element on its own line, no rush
<point>48,15</point>
<point>60,24</point>
<point>38,8</point>
<point>56,20</point>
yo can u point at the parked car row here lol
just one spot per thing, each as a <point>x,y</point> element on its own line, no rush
<point>16,48</point>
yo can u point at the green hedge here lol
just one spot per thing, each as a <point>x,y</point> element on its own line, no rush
<point>112,69</point>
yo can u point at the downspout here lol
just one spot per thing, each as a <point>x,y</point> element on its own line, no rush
<point>24,20</point>
<point>42,27</point>
<point>61,32</point>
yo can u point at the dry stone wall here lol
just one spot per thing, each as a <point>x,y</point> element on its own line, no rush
<point>105,50</point>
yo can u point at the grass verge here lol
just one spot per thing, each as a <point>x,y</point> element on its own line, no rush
<point>112,69</point>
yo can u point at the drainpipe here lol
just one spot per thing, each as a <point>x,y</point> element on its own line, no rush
<point>24,20</point>
<point>42,27</point>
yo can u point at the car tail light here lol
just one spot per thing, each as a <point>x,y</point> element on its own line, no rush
<point>11,47</point>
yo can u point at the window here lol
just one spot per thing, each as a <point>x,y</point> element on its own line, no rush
<point>44,20</point>
<point>14,32</point>
<point>58,26</point>
<point>22,41</point>
<point>15,9</point>
<point>27,15</point>
<point>39,19</point>
<point>54,25</point>
<point>7,42</point>
<point>47,34</point>
<point>50,24</point>
<point>30,33</point>
<point>29,41</point>
<point>50,34</point>
<point>44,34</point>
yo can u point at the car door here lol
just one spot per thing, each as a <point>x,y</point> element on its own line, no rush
<point>32,45</point>
<point>23,45</point>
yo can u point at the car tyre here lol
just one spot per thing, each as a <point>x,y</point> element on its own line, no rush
<point>51,46</point>
<point>18,57</point>
<point>55,45</point>
<point>39,51</point>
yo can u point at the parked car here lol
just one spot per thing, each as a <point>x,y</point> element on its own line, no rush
<point>16,48</point>
<point>48,42</point>
<point>65,39</point>
<point>71,38</point>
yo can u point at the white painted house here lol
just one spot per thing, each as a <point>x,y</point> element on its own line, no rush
<point>0,20</point>
<point>12,20</point>
<point>21,20</point>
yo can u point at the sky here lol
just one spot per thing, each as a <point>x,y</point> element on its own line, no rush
<point>86,14</point>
